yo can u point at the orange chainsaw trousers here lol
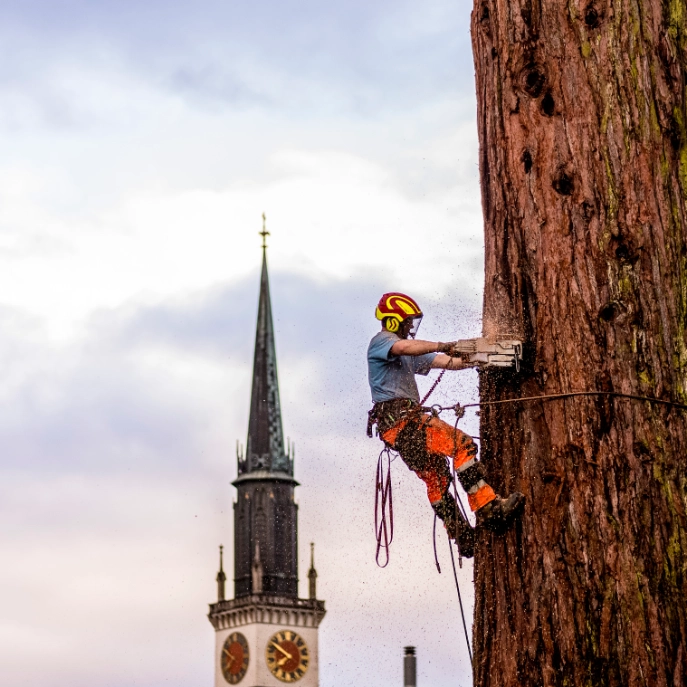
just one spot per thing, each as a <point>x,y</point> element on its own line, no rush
<point>440,439</point>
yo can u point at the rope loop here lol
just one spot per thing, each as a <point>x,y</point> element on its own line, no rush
<point>384,508</point>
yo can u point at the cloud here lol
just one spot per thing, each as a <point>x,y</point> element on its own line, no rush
<point>294,56</point>
<point>333,215</point>
<point>213,84</point>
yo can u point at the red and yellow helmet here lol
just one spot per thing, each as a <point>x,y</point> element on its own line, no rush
<point>397,307</point>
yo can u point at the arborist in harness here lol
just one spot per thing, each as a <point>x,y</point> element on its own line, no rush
<point>424,441</point>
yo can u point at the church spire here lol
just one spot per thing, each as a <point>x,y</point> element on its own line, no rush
<point>265,513</point>
<point>265,445</point>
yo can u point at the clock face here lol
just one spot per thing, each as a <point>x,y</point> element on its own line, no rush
<point>234,658</point>
<point>287,656</point>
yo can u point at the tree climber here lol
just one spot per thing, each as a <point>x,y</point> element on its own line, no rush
<point>423,441</point>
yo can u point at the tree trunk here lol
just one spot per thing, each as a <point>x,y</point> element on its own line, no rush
<point>583,139</point>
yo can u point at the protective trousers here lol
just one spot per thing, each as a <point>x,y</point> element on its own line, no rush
<point>423,442</point>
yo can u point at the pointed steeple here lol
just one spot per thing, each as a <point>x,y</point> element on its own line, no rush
<point>265,445</point>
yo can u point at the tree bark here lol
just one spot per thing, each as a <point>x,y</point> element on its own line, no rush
<point>583,162</point>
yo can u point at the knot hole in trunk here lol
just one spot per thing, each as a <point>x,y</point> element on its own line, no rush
<point>563,183</point>
<point>533,79</point>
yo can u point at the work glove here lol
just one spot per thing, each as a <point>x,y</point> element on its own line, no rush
<point>450,349</point>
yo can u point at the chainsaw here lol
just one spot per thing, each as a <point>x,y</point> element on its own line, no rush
<point>490,352</point>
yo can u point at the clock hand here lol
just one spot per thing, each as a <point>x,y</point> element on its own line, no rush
<point>286,653</point>
<point>231,656</point>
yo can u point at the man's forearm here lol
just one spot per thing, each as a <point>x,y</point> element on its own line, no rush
<point>445,362</point>
<point>414,347</point>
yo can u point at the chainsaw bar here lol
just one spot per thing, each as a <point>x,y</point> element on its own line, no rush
<point>490,353</point>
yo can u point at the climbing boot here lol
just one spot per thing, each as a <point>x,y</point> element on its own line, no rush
<point>498,514</point>
<point>456,526</point>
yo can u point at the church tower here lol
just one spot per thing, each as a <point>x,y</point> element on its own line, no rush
<point>266,635</point>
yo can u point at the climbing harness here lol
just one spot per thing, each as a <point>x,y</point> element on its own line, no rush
<point>386,414</point>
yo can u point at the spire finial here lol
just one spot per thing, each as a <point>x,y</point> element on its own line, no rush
<point>264,233</point>
<point>312,554</point>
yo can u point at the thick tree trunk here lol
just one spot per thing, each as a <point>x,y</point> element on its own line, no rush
<point>583,137</point>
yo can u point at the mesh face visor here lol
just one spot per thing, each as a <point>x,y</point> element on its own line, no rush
<point>412,332</point>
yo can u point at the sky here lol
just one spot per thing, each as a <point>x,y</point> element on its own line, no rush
<point>141,143</point>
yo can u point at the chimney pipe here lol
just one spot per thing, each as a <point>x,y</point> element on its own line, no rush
<point>409,667</point>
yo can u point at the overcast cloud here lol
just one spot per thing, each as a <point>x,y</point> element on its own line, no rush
<point>141,143</point>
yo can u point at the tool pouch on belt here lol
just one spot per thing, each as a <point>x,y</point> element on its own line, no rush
<point>411,440</point>
<point>386,414</point>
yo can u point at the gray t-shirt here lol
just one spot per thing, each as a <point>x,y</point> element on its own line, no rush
<point>393,376</point>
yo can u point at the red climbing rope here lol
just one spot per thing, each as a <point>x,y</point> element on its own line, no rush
<point>434,386</point>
